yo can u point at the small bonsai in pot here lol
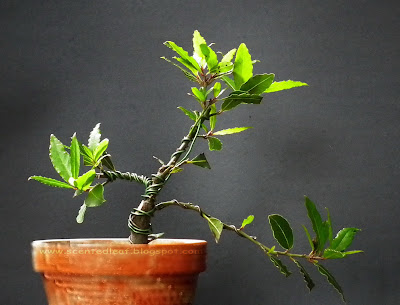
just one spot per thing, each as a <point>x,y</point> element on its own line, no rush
<point>222,82</point>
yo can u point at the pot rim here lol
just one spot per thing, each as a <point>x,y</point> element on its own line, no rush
<point>117,256</point>
<point>107,242</point>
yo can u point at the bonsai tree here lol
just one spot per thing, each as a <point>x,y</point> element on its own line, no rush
<point>222,82</point>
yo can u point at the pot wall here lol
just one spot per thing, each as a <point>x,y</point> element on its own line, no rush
<point>115,272</point>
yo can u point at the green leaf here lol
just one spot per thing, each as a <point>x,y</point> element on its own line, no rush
<point>198,40</point>
<point>272,249</point>
<point>176,170</point>
<point>81,214</point>
<point>284,85</point>
<point>210,56</point>
<point>75,157</point>
<point>306,276</point>
<point>320,228</point>
<point>330,279</point>
<point>214,143</point>
<point>86,152</point>
<point>51,182</point>
<point>228,131</point>
<point>281,230</point>
<point>95,197</point>
<point>236,98</point>
<point>309,238</point>
<point>190,114</point>
<point>213,118</point>
<point>94,138</point>
<point>278,264</point>
<point>229,82</point>
<point>228,56</point>
<point>201,161</point>
<point>201,97</point>
<point>244,97</point>
<point>243,66</point>
<point>100,149</point>
<point>83,182</point>
<point>216,227</point>
<point>60,158</point>
<point>223,68</point>
<point>247,221</point>
<point>344,239</point>
<point>217,89</point>
<point>183,54</point>
<point>258,83</point>
<point>107,162</point>
<point>230,104</point>
<point>187,73</point>
<point>334,254</point>
<point>187,64</point>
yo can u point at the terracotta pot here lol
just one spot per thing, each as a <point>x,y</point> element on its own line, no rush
<point>115,272</point>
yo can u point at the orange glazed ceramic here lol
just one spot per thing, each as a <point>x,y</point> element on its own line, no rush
<point>115,272</point>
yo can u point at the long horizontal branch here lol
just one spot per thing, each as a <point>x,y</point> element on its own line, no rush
<point>230,227</point>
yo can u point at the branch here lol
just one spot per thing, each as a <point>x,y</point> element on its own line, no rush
<point>241,233</point>
<point>114,175</point>
<point>139,219</point>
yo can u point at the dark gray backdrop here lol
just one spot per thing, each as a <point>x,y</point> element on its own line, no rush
<point>66,65</point>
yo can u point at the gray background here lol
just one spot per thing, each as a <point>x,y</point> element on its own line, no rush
<point>66,65</point>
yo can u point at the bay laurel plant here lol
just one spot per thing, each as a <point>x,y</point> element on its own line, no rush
<point>221,83</point>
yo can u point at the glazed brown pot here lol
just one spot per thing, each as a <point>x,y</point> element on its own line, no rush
<point>115,272</point>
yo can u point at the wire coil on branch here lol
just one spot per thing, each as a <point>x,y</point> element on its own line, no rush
<point>113,175</point>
